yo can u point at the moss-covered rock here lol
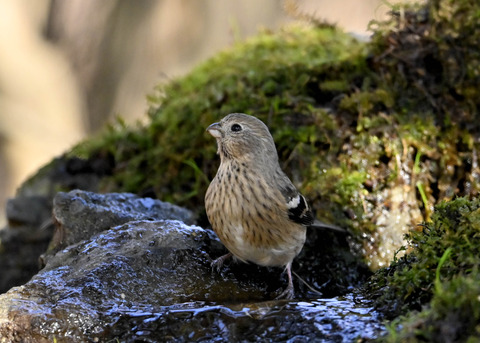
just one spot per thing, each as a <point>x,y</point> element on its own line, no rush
<point>439,278</point>
<point>430,52</point>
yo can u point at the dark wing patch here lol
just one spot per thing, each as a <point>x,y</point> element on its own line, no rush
<point>299,211</point>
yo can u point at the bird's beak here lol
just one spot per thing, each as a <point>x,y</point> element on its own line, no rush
<point>215,130</point>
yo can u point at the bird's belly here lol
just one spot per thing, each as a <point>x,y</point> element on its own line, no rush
<point>270,252</point>
<point>252,222</point>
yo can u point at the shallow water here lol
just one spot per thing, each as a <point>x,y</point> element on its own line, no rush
<point>340,319</point>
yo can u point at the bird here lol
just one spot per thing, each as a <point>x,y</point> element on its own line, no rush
<point>251,204</point>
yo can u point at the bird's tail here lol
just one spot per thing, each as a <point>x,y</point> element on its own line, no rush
<point>317,224</point>
<point>306,284</point>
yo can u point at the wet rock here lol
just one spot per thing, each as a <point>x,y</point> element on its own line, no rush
<point>79,215</point>
<point>141,266</point>
<point>392,224</point>
<point>29,216</point>
<point>150,281</point>
<point>119,273</point>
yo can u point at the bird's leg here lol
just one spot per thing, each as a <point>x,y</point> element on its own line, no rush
<point>218,263</point>
<point>288,293</point>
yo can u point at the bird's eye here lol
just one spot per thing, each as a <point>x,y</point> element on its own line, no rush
<point>236,128</point>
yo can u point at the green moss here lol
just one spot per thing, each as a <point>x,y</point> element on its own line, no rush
<point>439,277</point>
<point>277,77</point>
<point>430,53</point>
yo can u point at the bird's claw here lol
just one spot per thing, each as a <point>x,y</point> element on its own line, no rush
<point>218,262</point>
<point>288,294</point>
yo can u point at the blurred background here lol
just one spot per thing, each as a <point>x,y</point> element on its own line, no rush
<point>69,66</point>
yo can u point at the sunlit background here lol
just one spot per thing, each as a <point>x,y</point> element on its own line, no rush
<point>69,66</point>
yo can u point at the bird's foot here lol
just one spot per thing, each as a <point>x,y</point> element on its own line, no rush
<point>288,293</point>
<point>218,263</point>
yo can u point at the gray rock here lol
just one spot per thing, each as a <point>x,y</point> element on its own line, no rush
<point>80,215</point>
<point>20,248</point>
<point>139,267</point>
<point>77,215</point>
<point>28,211</point>
<point>24,239</point>
<point>151,281</point>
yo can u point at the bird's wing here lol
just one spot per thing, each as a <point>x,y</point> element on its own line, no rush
<point>298,209</point>
<point>297,206</point>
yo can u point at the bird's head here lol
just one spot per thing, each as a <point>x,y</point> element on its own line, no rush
<point>243,137</point>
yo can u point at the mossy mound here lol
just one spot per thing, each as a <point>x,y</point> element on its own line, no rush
<point>430,52</point>
<point>275,77</point>
<point>439,277</point>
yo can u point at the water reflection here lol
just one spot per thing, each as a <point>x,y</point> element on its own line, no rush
<point>340,319</point>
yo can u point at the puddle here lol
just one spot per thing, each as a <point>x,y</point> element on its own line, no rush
<point>340,319</point>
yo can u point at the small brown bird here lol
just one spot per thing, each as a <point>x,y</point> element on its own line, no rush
<point>253,207</point>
